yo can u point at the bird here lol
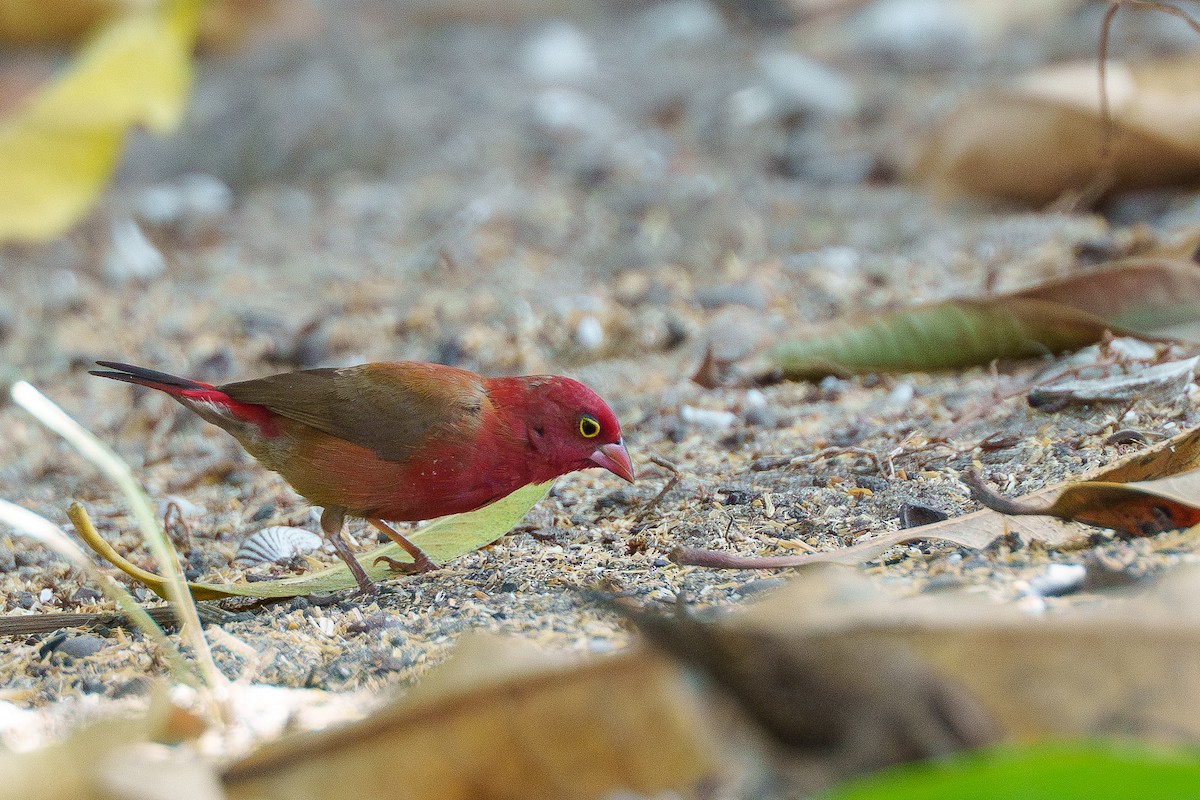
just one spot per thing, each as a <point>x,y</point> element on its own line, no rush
<point>403,441</point>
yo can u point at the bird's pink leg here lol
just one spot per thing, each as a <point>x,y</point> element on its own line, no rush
<point>332,520</point>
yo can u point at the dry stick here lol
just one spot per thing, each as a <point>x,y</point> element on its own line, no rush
<point>31,624</point>
<point>1104,177</point>
<point>989,498</point>
<point>713,559</point>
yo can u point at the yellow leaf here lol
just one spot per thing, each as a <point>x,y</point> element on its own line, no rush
<point>60,151</point>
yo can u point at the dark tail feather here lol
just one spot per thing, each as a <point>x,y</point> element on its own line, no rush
<point>141,376</point>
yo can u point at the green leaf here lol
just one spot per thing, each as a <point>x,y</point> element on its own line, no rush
<point>948,335</point>
<point>1080,771</point>
<point>442,540</point>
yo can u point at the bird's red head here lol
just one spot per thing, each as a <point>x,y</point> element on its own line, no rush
<point>571,428</point>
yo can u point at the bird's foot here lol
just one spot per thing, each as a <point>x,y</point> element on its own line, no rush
<point>420,562</point>
<point>419,565</point>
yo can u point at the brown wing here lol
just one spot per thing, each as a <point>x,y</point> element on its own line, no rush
<point>392,409</point>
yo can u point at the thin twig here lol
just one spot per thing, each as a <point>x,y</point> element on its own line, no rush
<point>653,502</point>
<point>1106,115</point>
<point>795,461</point>
<point>713,559</point>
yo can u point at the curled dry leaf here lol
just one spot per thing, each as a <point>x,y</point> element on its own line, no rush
<point>1131,509</point>
<point>1143,294</point>
<point>1043,137</point>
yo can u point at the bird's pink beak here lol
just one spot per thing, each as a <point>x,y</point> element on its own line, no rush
<point>614,458</point>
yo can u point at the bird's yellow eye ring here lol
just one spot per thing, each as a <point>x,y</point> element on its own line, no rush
<point>589,428</point>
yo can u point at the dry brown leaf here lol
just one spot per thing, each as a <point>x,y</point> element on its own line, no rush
<point>1117,382</point>
<point>1043,137</point>
<point>501,720</point>
<point>1133,509</point>
<point>1115,667</point>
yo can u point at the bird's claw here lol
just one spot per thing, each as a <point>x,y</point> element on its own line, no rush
<point>416,567</point>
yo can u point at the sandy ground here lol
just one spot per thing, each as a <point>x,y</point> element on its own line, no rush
<point>603,196</point>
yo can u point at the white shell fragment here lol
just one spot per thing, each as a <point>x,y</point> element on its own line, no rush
<point>276,544</point>
<point>1119,383</point>
<point>1058,579</point>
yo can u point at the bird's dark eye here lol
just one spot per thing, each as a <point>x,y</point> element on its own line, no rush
<point>589,428</point>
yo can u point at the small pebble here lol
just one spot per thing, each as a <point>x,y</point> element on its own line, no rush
<point>707,418</point>
<point>132,258</point>
<point>681,22</point>
<point>918,35</point>
<point>802,86</point>
<point>913,515</point>
<point>737,294</point>
<point>195,196</point>
<point>1058,580</point>
<point>901,395</point>
<point>569,112</point>
<point>85,595</point>
<point>80,646</point>
<point>560,53</point>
